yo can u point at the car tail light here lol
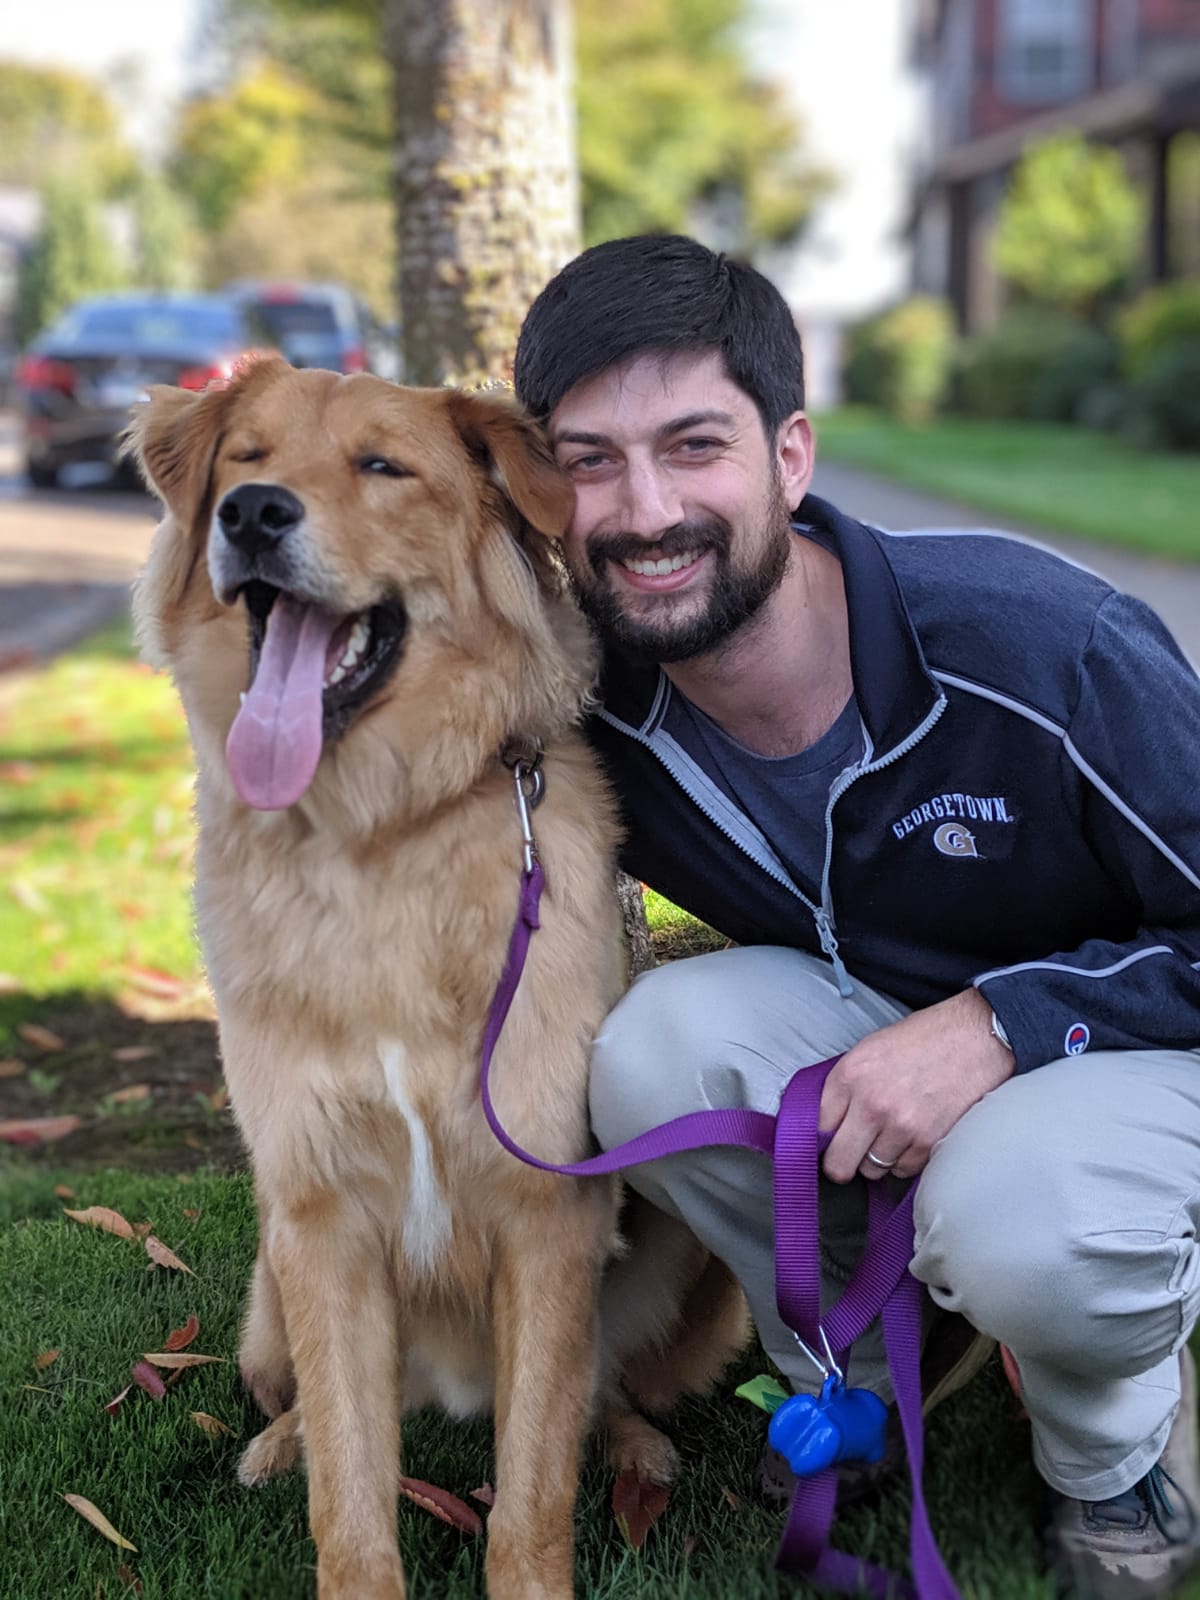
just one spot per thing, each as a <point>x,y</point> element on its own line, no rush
<point>354,359</point>
<point>201,377</point>
<point>42,372</point>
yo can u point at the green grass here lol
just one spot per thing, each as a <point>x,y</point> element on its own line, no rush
<point>1059,478</point>
<point>171,1489</point>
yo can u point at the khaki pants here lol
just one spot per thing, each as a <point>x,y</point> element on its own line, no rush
<point>1059,1215</point>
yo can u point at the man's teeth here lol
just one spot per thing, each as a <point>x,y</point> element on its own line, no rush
<point>360,637</point>
<point>659,569</point>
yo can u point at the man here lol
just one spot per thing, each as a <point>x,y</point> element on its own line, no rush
<point>943,792</point>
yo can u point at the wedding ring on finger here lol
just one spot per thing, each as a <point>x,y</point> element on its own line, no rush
<point>876,1162</point>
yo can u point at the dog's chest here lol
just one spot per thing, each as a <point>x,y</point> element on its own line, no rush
<point>425,1224</point>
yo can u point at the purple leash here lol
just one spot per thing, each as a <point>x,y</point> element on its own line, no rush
<point>880,1284</point>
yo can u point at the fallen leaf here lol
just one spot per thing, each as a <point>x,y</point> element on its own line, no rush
<point>179,1358</point>
<point>731,1500</point>
<point>141,1229</point>
<point>637,1506</point>
<point>38,1130</point>
<point>28,897</point>
<point>46,1359</point>
<point>150,980</point>
<point>98,1520</point>
<point>17,772</point>
<point>146,1378</point>
<point>210,1425</point>
<point>11,1068</point>
<point>134,1052</point>
<point>9,984</point>
<point>219,1098</point>
<point>103,1217</point>
<point>41,1038</point>
<point>180,1338</point>
<point>485,1494</point>
<point>115,1404</point>
<point>442,1504</point>
<point>689,1545</point>
<point>133,1091</point>
<point>129,1579</point>
<point>192,1142</point>
<point>162,1257</point>
<point>63,1192</point>
<point>192,1212</point>
<point>36,1388</point>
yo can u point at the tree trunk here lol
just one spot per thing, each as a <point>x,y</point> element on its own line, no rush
<point>485,180</point>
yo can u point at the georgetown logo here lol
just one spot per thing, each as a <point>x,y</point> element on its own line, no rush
<point>952,839</point>
<point>951,817</point>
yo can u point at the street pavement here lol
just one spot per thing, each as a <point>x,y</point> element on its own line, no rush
<point>68,556</point>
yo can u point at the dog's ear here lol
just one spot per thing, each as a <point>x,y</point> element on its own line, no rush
<point>518,458</point>
<point>174,437</point>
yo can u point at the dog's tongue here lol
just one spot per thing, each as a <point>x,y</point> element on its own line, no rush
<point>275,742</point>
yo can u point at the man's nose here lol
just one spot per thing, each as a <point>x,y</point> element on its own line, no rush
<point>652,500</point>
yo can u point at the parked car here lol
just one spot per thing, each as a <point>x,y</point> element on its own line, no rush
<point>315,324</point>
<point>77,380</point>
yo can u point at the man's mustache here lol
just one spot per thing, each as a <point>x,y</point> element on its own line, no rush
<point>684,538</point>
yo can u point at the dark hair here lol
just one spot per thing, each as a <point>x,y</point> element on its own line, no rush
<point>659,292</point>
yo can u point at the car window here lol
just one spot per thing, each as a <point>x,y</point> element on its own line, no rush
<point>285,319</point>
<point>150,325</point>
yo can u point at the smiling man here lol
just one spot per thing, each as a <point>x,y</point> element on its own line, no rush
<point>942,791</point>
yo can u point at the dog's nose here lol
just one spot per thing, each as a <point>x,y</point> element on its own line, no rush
<point>257,516</point>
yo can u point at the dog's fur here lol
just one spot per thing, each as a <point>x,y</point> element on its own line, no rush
<point>354,938</point>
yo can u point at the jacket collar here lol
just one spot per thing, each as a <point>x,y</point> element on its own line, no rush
<point>892,682</point>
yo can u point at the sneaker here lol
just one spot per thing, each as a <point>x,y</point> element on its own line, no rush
<point>1140,1543</point>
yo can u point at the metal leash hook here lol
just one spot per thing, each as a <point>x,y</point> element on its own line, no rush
<point>523,758</point>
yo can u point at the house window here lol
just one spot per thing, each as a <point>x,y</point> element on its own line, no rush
<point>1044,50</point>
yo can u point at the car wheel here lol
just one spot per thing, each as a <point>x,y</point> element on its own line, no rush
<point>42,474</point>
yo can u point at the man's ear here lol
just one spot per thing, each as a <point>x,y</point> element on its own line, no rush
<point>519,460</point>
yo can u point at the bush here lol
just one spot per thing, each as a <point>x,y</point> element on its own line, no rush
<point>1036,364</point>
<point>900,360</point>
<point>1156,322</point>
<point>1170,394</point>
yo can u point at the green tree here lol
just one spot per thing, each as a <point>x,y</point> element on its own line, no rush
<point>1071,224</point>
<point>164,245</point>
<point>72,255</point>
<point>52,120</point>
<point>676,135</point>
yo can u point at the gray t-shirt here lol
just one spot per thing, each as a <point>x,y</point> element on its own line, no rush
<point>785,796</point>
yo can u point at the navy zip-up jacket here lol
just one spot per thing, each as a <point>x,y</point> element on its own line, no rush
<point>1025,816</point>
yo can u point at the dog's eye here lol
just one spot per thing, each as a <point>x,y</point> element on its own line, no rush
<point>384,467</point>
<point>247,456</point>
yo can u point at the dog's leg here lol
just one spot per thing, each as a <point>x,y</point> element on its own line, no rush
<point>278,1448</point>
<point>340,1308</point>
<point>263,1356</point>
<point>544,1294</point>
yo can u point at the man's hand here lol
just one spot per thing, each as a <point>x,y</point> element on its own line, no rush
<point>901,1089</point>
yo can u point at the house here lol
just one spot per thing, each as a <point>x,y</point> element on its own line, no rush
<point>1003,73</point>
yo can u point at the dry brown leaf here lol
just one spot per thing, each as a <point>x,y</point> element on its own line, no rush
<point>103,1217</point>
<point>485,1494</point>
<point>213,1426</point>
<point>38,1130</point>
<point>219,1098</point>
<point>46,1359</point>
<point>689,1545</point>
<point>98,1520</point>
<point>637,1506</point>
<point>179,1358</point>
<point>150,980</point>
<point>192,1142</point>
<point>192,1212</point>
<point>162,1257</point>
<point>442,1504</point>
<point>180,1338</point>
<point>731,1500</point>
<point>64,1192</point>
<point>146,1378</point>
<point>133,1091</point>
<point>118,1400</point>
<point>41,1038</point>
<point>134,1052</point>
<point>11,1068</point>
<point>129,1579</point>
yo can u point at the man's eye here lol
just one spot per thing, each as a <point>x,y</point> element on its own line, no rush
<point>384,467</point>
<point>699,447</point>
<point>585,463</point>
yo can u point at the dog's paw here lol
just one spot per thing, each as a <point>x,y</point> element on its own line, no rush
<point>634,1442</point>
<point>277,1449</point>
<point>273,1388</point>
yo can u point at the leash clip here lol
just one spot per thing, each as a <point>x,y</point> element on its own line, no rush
<point>523,758</point>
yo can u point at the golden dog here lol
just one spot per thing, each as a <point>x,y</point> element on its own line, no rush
<point>354,591</point>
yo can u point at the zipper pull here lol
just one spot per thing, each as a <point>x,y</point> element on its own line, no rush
<point>829,945</point>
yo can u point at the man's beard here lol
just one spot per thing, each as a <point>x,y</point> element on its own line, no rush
<point>735,595</point>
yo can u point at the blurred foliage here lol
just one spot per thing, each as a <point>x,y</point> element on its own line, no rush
<point>72,255</point>
<point>1158,319</point>
<point>674,132</point>
<point>52,121</point>
<point>1071,224</point>
<point>164,236</point>
<point>1022,369</point>
<point>1168,396</point>
<point>900,360</point>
